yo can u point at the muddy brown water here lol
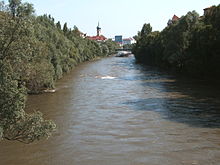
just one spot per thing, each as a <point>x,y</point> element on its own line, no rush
<point>115,112</point>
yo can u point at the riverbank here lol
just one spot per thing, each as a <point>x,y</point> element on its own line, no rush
<point>53,90</point>
<point>188,46</point>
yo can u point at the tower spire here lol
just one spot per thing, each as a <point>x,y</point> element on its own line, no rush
<point>98,30</point>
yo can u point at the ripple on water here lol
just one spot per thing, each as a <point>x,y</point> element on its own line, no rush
<point>116,112</point>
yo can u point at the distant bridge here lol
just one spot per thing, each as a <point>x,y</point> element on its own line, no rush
<point>122,49</point>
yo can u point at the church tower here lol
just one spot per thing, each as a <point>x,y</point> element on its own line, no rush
<point>98,30</point>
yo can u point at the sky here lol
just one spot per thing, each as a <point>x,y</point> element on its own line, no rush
<point>117,17</point>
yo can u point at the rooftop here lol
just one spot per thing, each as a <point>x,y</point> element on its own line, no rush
<point>208,8</point>
<point>97,38</point>
<point>175,18</point>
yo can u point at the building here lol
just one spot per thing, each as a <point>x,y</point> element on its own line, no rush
<point>207,11</point>
<point>81,34</point>
<point>128,41</point>
<point>123,41</point>
<point>98,30</point>
<point>118,39</point>
<point>98,36</point>
<point>173,20</point>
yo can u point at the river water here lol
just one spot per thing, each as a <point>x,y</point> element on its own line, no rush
<point>115,112</point>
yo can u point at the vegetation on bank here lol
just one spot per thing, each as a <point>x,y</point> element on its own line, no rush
<point>34,53</point>
<point>189,45</point>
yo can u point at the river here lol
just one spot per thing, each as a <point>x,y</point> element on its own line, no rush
<point>115,112</point>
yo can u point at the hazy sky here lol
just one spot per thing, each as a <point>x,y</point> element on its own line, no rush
<point>117,17</point>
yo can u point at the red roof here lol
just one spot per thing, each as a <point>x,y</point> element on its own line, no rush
<point>97,38</point>
<point>175,18</point>
<point>127,39</point>
<point>208,8</point>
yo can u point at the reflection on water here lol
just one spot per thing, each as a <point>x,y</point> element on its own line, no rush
<point>116,112</point>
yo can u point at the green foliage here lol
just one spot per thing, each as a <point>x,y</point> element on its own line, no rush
<point>146,29</point>
<point>34,53</point>
<point>14,5</point>
<point>58,25</point>
<point>112,46</point>
<point>128,46</point>
<point>190,45</point>
<point>65,28</point>
<point>16,55</point>
<point>25,9</point>
<point>15,124</point>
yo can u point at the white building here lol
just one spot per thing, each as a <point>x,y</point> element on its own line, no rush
<point>128,41</point>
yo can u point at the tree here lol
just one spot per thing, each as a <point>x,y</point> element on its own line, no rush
<point>15,52</point>
<point>25,10</point>
<point>15,124</point>
<point>146,29</point>
<point>137,37</point>
<point>2,5</point>
<point>58,25</point>
<point>190,46</point>
<point>33,54</point>
<point>76,31</point>
<point>13,5</point>
<point>65,28</point>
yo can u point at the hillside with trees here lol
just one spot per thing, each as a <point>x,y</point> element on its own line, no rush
<point>188,46</point>
<point>35,51</point>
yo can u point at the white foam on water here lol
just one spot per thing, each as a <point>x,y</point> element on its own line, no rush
<point>107,77</point>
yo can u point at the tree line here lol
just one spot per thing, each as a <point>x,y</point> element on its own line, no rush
<point>35,51</point>
<point>188,46</point>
